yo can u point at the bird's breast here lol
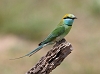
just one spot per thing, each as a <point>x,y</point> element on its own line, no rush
<point>67,29</point>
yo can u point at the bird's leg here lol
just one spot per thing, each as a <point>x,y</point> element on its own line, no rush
<point>60,41</point>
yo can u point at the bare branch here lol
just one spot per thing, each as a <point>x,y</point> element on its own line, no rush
<point>52,59</point>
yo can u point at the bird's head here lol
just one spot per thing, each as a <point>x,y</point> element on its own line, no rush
<point>68,19</point>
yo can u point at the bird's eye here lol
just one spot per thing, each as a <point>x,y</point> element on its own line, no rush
<point>68,17</point>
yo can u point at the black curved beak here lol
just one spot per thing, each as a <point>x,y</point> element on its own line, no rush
<point>75,18</point>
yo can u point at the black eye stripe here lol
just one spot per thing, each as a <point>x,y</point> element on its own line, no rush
<point>67,17</point>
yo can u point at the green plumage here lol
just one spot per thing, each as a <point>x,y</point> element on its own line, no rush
<point>57,34</point>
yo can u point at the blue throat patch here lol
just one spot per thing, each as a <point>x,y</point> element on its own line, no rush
<point>68,22</point>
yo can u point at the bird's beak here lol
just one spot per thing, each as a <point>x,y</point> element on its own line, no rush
<point>75,18</point>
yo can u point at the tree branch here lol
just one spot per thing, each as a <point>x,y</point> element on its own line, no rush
<point>52,59</point>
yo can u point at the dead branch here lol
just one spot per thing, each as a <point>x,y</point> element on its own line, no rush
<point>52,59</point>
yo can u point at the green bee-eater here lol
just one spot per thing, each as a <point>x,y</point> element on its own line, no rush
<point>57,34</point>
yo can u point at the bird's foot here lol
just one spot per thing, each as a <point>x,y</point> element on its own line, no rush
<point>60,41</point>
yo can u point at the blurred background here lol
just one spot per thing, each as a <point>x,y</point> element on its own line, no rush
<point>25,23</point>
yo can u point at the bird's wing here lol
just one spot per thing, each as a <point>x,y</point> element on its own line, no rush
<point>54,34</point>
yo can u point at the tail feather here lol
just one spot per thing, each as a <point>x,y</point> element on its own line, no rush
<point>32,52</point>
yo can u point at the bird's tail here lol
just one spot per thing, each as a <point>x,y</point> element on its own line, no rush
<point>32,52</point>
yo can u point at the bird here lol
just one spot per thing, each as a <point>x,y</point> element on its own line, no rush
<point>56,35</point>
